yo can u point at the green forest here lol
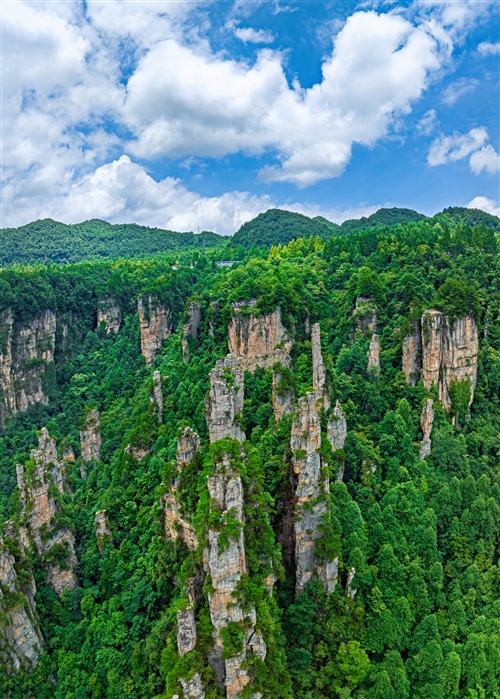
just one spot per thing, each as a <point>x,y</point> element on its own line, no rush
<point>123,600</point>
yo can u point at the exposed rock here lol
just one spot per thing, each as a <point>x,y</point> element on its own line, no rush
<point>187,445</point>
<point>193,687</point>
<point>68,454</point>
<point>139,453</point>
<point>283,398</point>
<point>432,347</point>
<point>374,355</point>
<point>224,405</point>
<point>102,530</point>
<point>319,373</point>
<point>26,352</point>
<point>351,591</point>
<point>41,509</point>
<point>186,630</point>
<point>109,312</point>
<point>426,421</point>
<point>311,495</point>
<point>412,355</point>
<point>157,397</point>
<point>212,316</point>
<point>21,641</point>
<point>191,327</point>
<point>269,582</point>
<point>337,434</point>
<point>156,325</point>
<point>365,315</point>
<point>254,338</point>
<point>90,439</point>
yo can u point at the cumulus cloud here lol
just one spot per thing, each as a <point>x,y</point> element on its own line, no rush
<point>485,159</point>
<point>445,149</point>
<point>254,36</point>
<point>485,48</point>
<point>458,89</point>
<point>484,204</point>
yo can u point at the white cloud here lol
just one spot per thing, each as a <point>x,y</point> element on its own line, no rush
<point>485,48</point>
<point>485,159</point>
<point>458,89</point>
<point>254,36</point>
<point>484,204</point>
<point>445,149</point>
<point>428,123</point>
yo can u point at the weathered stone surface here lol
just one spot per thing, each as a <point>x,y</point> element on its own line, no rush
<point>311,494</point>
<point>319,373</point>
<point>157,397</point>
<point>432,347</point>
<point>365,315</point>
<point>254,338</point>
<point>351,591</point>
<point>283,399</point>
<point>102,530</point>
<point>186,631</point>
<point>337,434</point>
<point>26,352</point>
<point>193,687</point>
<point>156,325</point>
<point>412,355</point>
<point>224,404</point>
<point>110,313</point>
<point>426,421</point>
<point>40,510</point>
<point>373,364</point>
<point>187,445</point>
<point>20,638</point>
<point>68,454</point>
<point>191,327</point>
<point>90,439</point>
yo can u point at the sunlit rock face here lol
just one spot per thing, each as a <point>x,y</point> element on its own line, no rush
<point>190,327</point>
<point>319,373</point>
<point>255,337</point>
<point>26,353</point>
<point>283,398</point>
<point>373,364</point>
<point>41,488</point>
<point>426,421</point>
<point>224,404</point>
<point>188,444</point>
<point>155,321</point>
<point>412,355</point>
<point>311,495</point>
<point>109,312</point>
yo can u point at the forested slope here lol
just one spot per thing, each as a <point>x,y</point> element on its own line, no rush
<point>314,515</point>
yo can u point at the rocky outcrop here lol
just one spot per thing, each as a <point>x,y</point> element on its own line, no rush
<point>224,404</point>
<point>426,421</point>
<point>90,439</point>
<point>432,347</point>
<point>103,532</point>
<point>337,434</point>
<point>26,352</point>
<point>41,487</point>
<point>186,630</point>
<point>157,397</point>
<point>351,591</point>
<point>373,354</point>
<point>412,355</point>
<point>311,494</point>
<point>365,315</point>
<point>110,313</point>
<point>192,688</point>
<point>188,444</point>
<point>20,637</point>
<point>319,373</point>
<point>190,327</point>
<point>155,320</point>
<point>255,337</point>
<point>283,396</point>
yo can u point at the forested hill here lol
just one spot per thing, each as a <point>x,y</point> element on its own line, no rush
<point>278,480</point>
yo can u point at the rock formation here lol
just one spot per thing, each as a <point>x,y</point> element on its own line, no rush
<point>373,353</point>
<point>337,434</point>
<point>255,337</point>
<point>20,637</point>
<point>175,525</point>
<point>426,421</point>
<point>192,688</point>
<point>224,405</point>
<point>311,495</point>
<point>432,347</point>
<point>365,315</point>
<point>109,312</point>
<point>190,327</point>
<point>27,350</point>
<point>283,398</point>
<point>412,355</point>
<point>157,397</point>
<point>102,530</point>
<point>90,439</point>
<point>186,630</point>
<point>41,488</point>
<point>351,591</point>
<point>156,325</point>
<point>319,373</point>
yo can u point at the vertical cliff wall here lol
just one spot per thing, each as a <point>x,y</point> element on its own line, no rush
<point>175,525</point>
<point>412,354</point>
<point>190,329</point>
<point>90,440</point>
<point>337,434</point>
<point>373,364</point>
<point>41,487</point>
<point>110,313</point>
<point>283,393</point>
<point>254,338</point>
<point>426,421</point>
<point>224,404</point>
<point>319,373</point>
<point>157,397</point>
<point>156,325</point>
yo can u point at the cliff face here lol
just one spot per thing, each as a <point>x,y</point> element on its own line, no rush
<point>412,355</point>
<point>191,327</point>
<point>102,530</point>
<point>337,434</point>
<point>283,398</point>
<point>110,313</point>
<point>20,637</point>
<point>373,364</point>
<point>41,487</point>
<point>156,325</point>
<point>319,373</point>
<point>157,397</point>
<point>311,496</point>
<point>26,351</point>
<point>90,439</point>
<point>254,338</point>
<point>175,525</point>
<point>365,315</point>
<point>224,404</point>
<point>426,421</point>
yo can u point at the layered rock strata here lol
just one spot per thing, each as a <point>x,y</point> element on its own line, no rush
<point>155,320</point>
<point>311,494</point>
<point>157,397</point>
<point>102,529</point>
<point>255,337</point>
<point>41,488</point>
<point>191,327</point>
<point>175,525</point>
<point>426,421</point>
<point>21,641</point>
<point>319,373</point>
<point>224,404</point>
<point>337,434</point>
<point>90,440</point>
<point>26,351</point>
<point>373,364</point>
<point>110,313</point>
<point>283,398</point>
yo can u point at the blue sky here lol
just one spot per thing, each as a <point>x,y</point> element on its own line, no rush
<point>200,115</point>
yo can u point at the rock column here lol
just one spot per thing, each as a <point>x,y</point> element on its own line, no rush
<point>412,351</point>
<point>102,530</point>
<point>190,327</point>
<point>255,337</point>
<point>373,364</point>
<point>224,405</point>
<point>426,421</point>
<point>283,398</point>
<point>157,397</point>
<point>337,434</point>
<point>110,313</point>
<point>90,440</point>
<point>319,373</point>
<point>156,325</point>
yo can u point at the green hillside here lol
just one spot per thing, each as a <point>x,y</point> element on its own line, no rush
<point>382,217</point>
<point>275,227</point>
